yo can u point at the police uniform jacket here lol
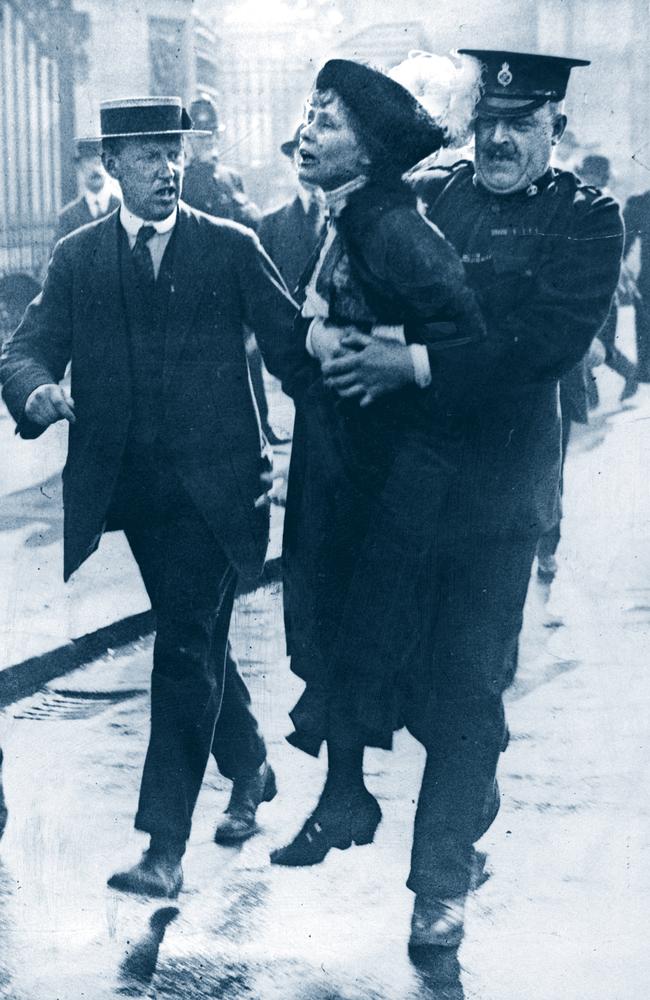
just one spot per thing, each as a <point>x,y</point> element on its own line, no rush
<point>211,187</point>
<point>544,263</point>
<point>221,282</point>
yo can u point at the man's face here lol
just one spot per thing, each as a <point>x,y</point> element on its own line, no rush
<point>92,175</point>
<point>511,153</point>
<point>150,173</point>
<point>203,147</point>
<point>329,153</point>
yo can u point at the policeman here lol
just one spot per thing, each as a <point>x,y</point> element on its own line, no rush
<point>543,253</point>
<point>209,185</point>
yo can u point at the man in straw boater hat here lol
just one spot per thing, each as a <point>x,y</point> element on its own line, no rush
<point>542,253</point>
<point>150,305</point>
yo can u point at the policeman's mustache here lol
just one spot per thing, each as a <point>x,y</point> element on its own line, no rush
<point>500,153</point>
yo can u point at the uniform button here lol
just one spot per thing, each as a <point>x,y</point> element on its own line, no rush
<point>495,208</point>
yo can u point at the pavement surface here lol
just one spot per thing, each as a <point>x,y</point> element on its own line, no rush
<point>565,911</point>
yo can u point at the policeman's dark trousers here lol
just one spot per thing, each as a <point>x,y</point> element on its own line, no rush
<point>549,540</point>
<point>199,703</point>
<point>481,588</point>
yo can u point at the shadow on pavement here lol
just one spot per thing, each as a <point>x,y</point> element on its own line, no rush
<point>39,505</point>
<point>438,973</point>
<point>137,969</point>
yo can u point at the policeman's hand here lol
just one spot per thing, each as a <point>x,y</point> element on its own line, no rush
<point>368,367</point>
<point>49,403</point>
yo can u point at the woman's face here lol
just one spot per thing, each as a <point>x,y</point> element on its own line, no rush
<point>329,153</point>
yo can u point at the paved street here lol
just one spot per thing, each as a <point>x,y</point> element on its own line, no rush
<point>563,915</point>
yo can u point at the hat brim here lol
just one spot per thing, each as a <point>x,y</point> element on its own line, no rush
<point>516,107</point>
<point>139,135</point>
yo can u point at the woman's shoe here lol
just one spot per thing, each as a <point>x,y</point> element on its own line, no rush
<point>354,822</point>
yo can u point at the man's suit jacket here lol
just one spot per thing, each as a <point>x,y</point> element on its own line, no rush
<point>222,282</point>
<point>77,214</point>
<point>289,236</point>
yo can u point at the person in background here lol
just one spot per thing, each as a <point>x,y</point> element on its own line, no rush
<point>209,185</point>
<point>595,171</point>
<point>96,190</point>
<point>16,292</point>
<point>636,215</point>
<point>574,408</point>
<point>289,234</point>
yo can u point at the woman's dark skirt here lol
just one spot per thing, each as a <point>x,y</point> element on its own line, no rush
<point>366,489</point>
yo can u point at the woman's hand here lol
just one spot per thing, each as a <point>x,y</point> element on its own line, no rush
<point>368,367</point>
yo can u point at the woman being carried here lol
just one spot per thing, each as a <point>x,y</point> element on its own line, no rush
<point>371,468</point>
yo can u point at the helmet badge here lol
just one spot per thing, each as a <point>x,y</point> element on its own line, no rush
<point>504,76</point>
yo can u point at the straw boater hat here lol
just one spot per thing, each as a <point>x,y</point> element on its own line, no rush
<point>139,116</point>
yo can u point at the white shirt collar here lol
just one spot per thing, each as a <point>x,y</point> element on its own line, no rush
<point>305,198</point>
<point>133,223</point>
<point>337,199</point>
<point>102,198</point>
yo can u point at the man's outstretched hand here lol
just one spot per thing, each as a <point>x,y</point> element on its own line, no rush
<point>368,367</point>
<point>49,403</point>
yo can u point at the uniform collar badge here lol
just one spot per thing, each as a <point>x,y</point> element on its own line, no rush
<point>504,76</point>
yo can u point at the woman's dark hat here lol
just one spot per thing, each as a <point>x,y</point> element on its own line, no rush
<point>516,83</point>
<point>140,116</point>
<point>394,124</point>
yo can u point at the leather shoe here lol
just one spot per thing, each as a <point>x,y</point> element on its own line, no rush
<point>354,822</point>
<point>437,923</point>
<point>157,873</point>
<point>238,823</point>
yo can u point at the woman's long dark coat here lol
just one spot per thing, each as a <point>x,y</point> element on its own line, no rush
<point>366,485</point>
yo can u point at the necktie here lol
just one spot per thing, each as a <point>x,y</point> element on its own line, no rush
<point>96,209</point>
<point>142,256</point>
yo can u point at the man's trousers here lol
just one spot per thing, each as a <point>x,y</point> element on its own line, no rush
<point>481,586</point>
<point>199,703</point>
